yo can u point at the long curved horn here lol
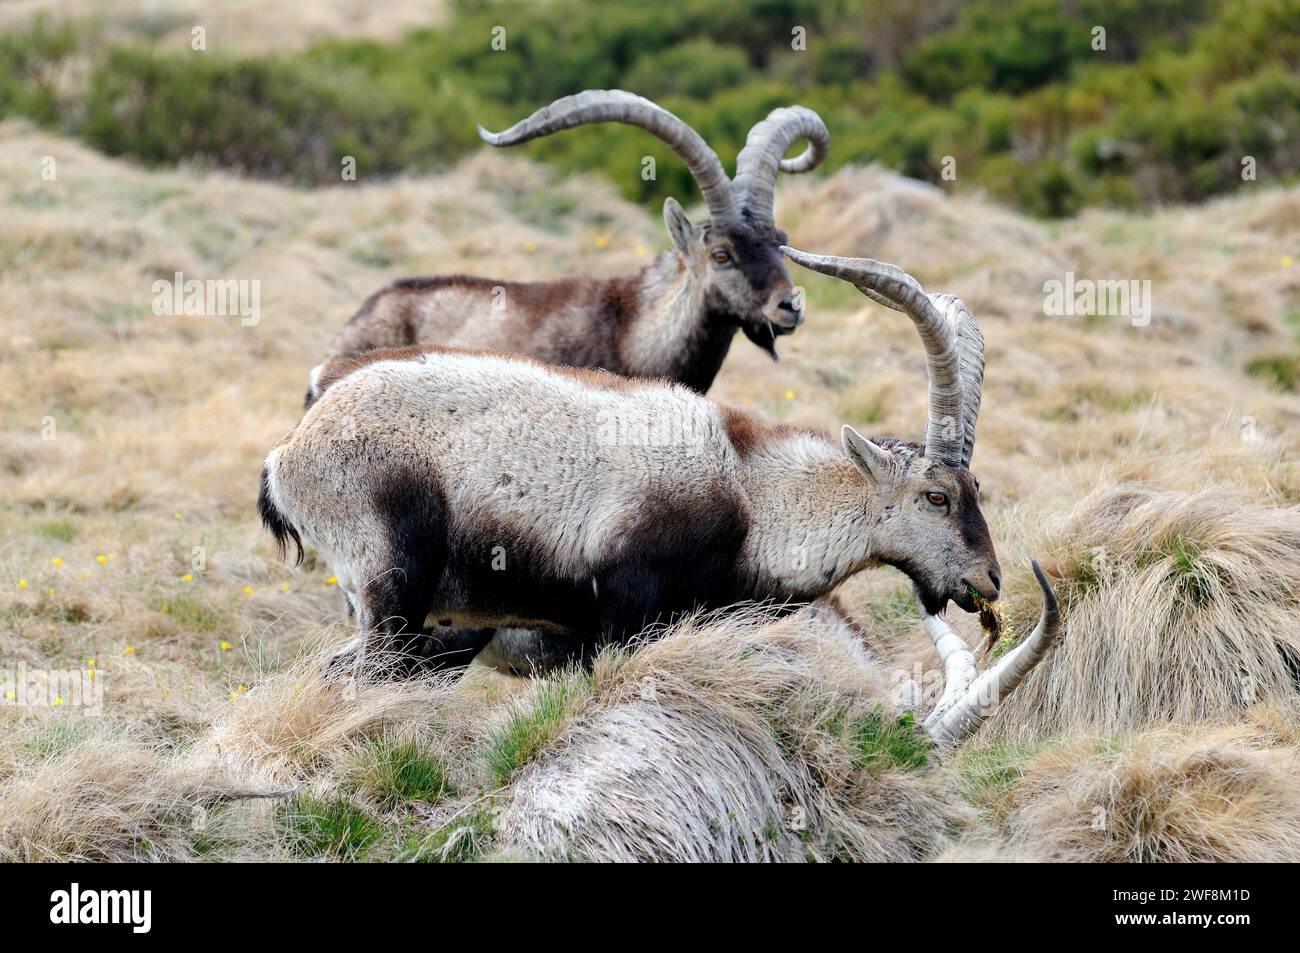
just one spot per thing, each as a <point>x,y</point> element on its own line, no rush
<point>968,701</point>
<point>616,105</point>
<point>954,347</point>
<point>762,157</point>
<point>970,358</point>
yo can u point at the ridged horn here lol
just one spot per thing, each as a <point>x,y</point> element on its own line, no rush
<point>616,105</point>
<point>765,147</point>
<point>954,347</point>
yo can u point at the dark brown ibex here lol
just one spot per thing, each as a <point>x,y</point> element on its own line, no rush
<point>675,318</point>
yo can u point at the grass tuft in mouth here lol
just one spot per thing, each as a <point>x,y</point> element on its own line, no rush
<point>993,622</point>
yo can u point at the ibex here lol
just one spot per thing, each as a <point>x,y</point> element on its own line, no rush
<point>675,318</point>
<point>485,490</point>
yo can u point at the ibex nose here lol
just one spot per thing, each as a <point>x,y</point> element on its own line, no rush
<point>789,304</point>
<point>989,587</point>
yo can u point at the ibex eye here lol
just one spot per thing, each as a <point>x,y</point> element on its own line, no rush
<point>721,257</point>
<point>937,499</point>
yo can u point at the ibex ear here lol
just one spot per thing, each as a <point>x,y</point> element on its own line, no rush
<point>875,462</point>
<point>680,228</point>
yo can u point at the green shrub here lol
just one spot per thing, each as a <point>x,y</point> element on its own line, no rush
<point>697,68</point>
<point>274,117</point>
<point>1014,92</point>
<point>30,62</point>
<point>841,59</point>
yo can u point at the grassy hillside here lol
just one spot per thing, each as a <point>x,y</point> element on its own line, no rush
<point>1047,105</point>
<point>1151,468</point>
<point>236,26</point>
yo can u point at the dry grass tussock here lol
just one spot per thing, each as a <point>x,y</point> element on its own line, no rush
<point>767,741</point>
<point>1180,607</point>
<point>1213,795</point>
<point>728,739</point>
<point>130,445</point>
<point>101,794</point>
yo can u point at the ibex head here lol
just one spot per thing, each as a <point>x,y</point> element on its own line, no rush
<point>736,254</point>
<point>932,528</point>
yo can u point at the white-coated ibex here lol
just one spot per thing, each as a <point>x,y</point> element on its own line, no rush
<point>485,490</point>
<point>674,319</point>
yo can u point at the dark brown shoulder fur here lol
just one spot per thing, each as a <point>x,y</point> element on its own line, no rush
<point>747,432</point>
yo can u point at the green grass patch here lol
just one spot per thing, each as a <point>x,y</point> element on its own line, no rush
<point>548,210</point>
<point>863,413</point>
<point>1187,571</point>
<point>528,732</point>
<point>397,773</point>
<point>1280,370</point>
<point>989,772</point>
<point>58,530</point>
<point>894,611</point>
<point>56,738</point>
<point>336,829</point>
<point>60,343</point>
<point>890,741</point>
<point>193,614</point>
<point>1069,410</point>
<point>459,841</point>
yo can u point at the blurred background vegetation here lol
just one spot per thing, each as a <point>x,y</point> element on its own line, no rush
<point>1013,91</point>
